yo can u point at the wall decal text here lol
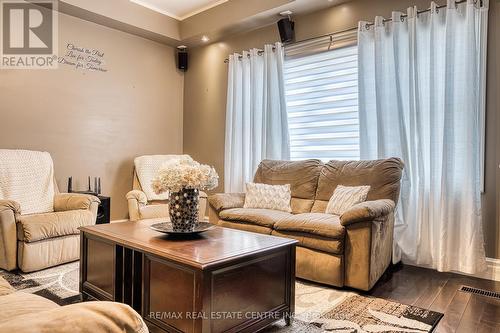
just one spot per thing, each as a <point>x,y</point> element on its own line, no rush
<point>82,58</point>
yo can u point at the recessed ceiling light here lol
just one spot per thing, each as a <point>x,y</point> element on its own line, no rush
<point>205,39</point>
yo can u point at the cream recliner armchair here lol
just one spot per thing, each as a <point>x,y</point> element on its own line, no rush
<point>35,241</point>
<point>140,207</point>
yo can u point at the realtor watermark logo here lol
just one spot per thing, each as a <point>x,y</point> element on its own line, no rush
<point>28,34</point>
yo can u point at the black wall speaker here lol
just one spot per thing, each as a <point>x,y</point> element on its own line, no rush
<point>287,30</point>
<point>182,61</point>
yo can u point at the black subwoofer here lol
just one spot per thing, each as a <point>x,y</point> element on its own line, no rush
<point>104,210</point>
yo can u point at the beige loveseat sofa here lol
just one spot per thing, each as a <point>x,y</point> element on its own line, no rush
<point>350,250</point>
<point>27,313</point>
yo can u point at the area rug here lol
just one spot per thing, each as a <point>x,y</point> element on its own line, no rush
<point>318,308</point>
<point>59,284</point>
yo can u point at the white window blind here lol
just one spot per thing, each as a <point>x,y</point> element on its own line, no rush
<point>322,103</point>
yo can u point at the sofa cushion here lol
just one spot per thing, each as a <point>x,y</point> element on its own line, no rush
<point>245,226</point>
<point>301,175</point>
<point>383,176</point>
<point>264,217</point>
<point>300,206</point>
<point>35,256</point>
<point>320,224</point>
<point>315,242</point>
<point>86,317</point>
<point>17,304</point>
<point>32,228</point>
<point>5,287</point>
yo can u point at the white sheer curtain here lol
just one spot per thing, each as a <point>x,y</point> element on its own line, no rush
<point>256,119</point>
<point>422,88</point>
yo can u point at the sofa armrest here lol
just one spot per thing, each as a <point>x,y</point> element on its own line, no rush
<point>367,211</point>
<point>222,201</point>
<point>74,201</point>
<point>78,318</point>
<point>8,238</point>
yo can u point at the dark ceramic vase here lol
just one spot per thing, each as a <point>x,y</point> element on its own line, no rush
<point>184,210</point>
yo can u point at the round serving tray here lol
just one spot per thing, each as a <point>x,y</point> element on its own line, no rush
<point>168,229</point>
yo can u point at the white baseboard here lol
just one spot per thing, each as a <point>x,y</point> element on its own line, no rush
<point>118,221</point>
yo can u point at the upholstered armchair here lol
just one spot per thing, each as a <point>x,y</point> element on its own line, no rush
<point>140,207</point>
<point>33,241</point>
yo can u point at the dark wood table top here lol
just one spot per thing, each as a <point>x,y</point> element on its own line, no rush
<point>202,251</point>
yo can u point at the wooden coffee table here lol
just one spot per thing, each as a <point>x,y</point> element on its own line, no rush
<point>223,280</point>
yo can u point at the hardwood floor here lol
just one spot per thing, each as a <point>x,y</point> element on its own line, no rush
<point>463,312</point>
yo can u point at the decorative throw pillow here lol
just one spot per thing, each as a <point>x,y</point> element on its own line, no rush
<point>344,197</point>
<point>266,196</point>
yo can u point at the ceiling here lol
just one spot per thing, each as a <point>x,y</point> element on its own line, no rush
<point>188,22</point>
<point>179,9</point>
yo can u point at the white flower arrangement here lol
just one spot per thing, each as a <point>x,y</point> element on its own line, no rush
<point>184,172</point>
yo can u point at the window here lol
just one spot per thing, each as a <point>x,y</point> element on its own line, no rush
<point>322,102</point>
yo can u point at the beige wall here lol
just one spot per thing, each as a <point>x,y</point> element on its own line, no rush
<point>95,123</point>
<point>206,80</point>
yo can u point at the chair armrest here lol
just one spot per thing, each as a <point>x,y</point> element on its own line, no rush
<point>8,238</point>
<point>74,201</point>
<point>10,205</point>
<point>137,195</point>
<point>202,215</point>
<point>367,211</point>
<point>222,201</point>
<point>136,199</point>
<point>78,318</point>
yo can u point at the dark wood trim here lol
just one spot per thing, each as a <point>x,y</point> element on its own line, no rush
<point>137,281</point>
<point>83,261</point>
<point>95,292</point>
<point>290,280</point>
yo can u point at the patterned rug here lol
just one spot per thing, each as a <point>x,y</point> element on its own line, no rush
<point>59,284</point>
<point>317,308</point>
